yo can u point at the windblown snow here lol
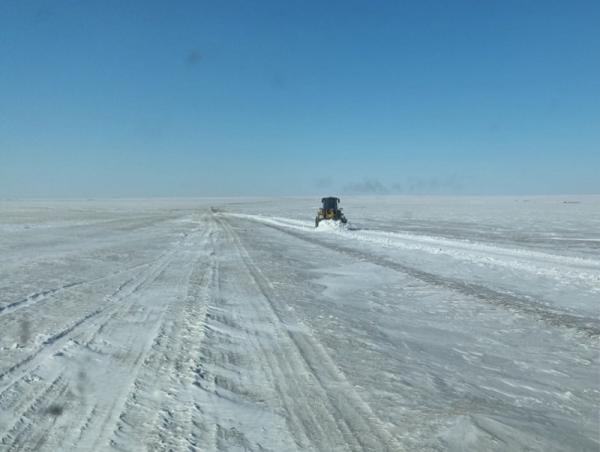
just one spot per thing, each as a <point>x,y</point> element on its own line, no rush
<point>425,324</point>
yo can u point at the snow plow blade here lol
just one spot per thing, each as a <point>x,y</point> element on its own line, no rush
<point>330,211</point>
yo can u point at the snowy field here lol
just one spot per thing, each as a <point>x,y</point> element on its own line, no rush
<point>428,324</point>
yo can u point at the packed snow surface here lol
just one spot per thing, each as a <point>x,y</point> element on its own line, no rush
<point>468,324</point>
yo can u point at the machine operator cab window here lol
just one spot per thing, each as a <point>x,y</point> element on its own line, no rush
<point>330,203</point>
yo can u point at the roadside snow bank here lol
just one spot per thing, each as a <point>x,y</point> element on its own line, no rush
<point>582,270</point>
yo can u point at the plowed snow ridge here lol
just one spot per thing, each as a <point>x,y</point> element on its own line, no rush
<point>586,271</point>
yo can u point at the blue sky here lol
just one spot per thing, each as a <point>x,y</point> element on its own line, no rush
<point>189,98</point>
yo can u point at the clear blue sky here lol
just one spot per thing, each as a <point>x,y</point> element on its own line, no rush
<point>191,98</point>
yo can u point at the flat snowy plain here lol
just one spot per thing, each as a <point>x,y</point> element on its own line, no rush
<point>467,324</point>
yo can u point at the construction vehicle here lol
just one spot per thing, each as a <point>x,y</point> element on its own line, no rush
<point>330,211</point>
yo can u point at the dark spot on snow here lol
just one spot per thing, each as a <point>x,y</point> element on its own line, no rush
<point>201,372</point>
<point>25,331</point>
<point>55,410</point>
<point>82,380</point>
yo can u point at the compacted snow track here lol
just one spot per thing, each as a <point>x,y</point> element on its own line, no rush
<point>523,303</point>
<point>209,330</point>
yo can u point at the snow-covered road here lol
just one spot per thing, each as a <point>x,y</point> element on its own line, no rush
<point>216,325</point>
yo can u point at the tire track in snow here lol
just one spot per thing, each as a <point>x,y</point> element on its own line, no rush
<point>523,304</point>
<point>36,297</point>
<point>230,381</point>
<point>21,432</point>
<point>335,402</point>
<point>239,325</point>
<point>241,401</point>
<point>124,290</point>
<point>471,251</point>
<point>63,340</point>
<point>307,422</point>
<point>57,339</point>
<point>23,418</point>
<point>166,420</point>
<point>111,420</point>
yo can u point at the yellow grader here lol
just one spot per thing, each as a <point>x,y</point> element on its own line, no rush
<point>330,211</point>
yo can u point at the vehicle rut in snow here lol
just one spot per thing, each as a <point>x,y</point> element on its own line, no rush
<point>335,407</point>
<point>526,305</point>
<point>48,377</point>
<point>208,332</point>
